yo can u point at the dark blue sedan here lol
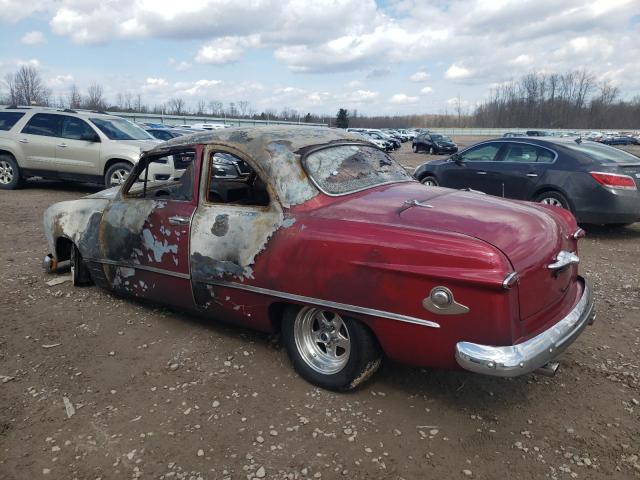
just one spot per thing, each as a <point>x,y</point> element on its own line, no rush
<point>597,183</point>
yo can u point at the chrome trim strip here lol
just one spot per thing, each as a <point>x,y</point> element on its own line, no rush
<point>161,271</point>
<point>511,277</point>
<point>525,357</point>
<point>325,303</point>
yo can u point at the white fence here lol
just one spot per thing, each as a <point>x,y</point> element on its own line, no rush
<point>498,132</point>
<point>190,120</point>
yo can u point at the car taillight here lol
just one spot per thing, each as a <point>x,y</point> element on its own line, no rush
<point>614,180</point>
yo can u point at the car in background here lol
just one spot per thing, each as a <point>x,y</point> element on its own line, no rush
<point>311,233</point>
<point>513,134</point>
<point>72,145</point>
<point>392,143</point>
<point>597,183</point>
<point>434,144</point>
<point>537,133</point>
<point>168,133</point>
<point>381,144</point>
<point>620,140</point>
<point>209,126</point>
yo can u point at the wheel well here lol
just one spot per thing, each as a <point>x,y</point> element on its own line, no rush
<point>7,152</point>
<point>113,161</point>
<point>552,189</point>
<point>425,175</point>
<point>63,249</point>
<point>276,312</point>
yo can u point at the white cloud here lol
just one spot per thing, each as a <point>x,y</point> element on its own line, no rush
<point>403,99</point>
<point>60,81</point>
<point>226,49</point>
<point>426,90</point>
<point>179,66</point>
<point>33,62</point>
<point>419,76</point>
<point>361,96</point>
<point>455,72</point>
<point>354,84</point>
<point>34,37</point>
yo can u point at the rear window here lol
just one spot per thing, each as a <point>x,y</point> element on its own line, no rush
<point>9,119</point>
<point>603,153</point>
<point>349,168</point>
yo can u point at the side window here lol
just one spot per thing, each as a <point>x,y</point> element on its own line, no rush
<point>481,153</point>
<point>161,135</point>
<point>76,128</point>
<point>153,182</point>
<point>44,124</point>
<point>9,119</point>
<point>521,153</point>
<point>545,156</point>
<point>232,180</point>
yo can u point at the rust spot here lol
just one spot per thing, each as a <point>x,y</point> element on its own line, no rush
<point>221,225</point>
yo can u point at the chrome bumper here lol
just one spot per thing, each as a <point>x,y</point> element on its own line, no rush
<point>528,356</point>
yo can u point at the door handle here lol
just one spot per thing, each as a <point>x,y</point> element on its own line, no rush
<point>179,220</point>
<point>23,140</point>
<point>62,145</point>
<point>481,172</point>
<point>532,174</point>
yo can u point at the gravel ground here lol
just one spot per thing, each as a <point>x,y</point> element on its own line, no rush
<point>96,386</point>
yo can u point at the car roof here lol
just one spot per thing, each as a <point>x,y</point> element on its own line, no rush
<point>59,111</point>
<point>275,150</point>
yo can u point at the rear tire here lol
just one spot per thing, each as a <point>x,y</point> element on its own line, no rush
<point>414,148</point>
<point>80,275</point>
<point>432,151</point>
<point>10,176</point>
<point>328,349</point>
<point>430,181</point>
<point>117,173</point>
<point>554,198</point>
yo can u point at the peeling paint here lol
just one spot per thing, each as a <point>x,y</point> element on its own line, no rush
<point>159,248</point>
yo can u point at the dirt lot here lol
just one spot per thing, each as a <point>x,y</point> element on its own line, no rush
<point>160,394</point>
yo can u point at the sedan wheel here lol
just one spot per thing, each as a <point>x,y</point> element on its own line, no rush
<point>328,349</point>
<point>429,181</point>
<point>414,148</point>
<point>553,198</point>
<point>431,151</point>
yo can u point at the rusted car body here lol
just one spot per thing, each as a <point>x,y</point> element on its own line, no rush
<point>323,231</point>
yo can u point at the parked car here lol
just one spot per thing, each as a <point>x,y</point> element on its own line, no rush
<point>597,183</point>
<point>620,140</point>
<point>390,142</point>
<point>72,145</point>
<point>313,233</point>
<point>168,133</point>
<point>434,144</point>
<point>538,133</point>
<point>209,126</point>
<point>513,134</point>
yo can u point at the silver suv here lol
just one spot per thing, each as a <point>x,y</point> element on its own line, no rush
<point>73,145</point>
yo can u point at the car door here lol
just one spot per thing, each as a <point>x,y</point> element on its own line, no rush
<point>78,151</point>
<point>522,168</point>
<point>475,168</point>
<point>235,218</point>
<point>38,139</point>
<point>144,234</point>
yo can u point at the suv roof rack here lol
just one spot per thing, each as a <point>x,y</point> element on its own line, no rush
<point>17,107</point>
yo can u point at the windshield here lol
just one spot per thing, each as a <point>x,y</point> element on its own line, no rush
<point>120,129</point>
<point>350,168</point>
<point>604,153</point>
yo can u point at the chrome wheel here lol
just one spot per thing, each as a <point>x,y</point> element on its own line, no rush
<point>6,172</point>
<point>552,201</point>
<point>118,177</point>
<point>431,151</point>
<point>322,340</point>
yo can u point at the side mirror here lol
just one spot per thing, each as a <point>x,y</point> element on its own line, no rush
<point>457,158</point>
<point>90,137</point>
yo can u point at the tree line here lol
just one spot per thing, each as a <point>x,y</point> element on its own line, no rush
<point>574,99</point>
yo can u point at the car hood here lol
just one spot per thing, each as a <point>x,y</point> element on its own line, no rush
<point>143,144</point>
<point>106,194</point>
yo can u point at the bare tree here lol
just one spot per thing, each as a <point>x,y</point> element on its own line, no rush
<point>200,107</point>
<point>176,106</point>
<point>243,108</point>
<point>215,107</point>
<point>95,97</point>
<point>74,98</point>
<point>26,87</point>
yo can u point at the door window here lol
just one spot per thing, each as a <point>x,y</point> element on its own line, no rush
<point>76,129</point>
<point>44,124</point>
<point>523,153</point>
<point>234,181</point>
<point>481,153</point>
<point>9,119</point>
<point>180,189</point>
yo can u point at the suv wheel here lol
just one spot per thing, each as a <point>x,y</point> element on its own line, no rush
<point>432,151</point>
<point>415,148</point>
<point>9,173</point>
<point>117,174</point>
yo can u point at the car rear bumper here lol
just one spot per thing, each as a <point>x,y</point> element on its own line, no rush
<point>525,357</point>
<point>605,206</point>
